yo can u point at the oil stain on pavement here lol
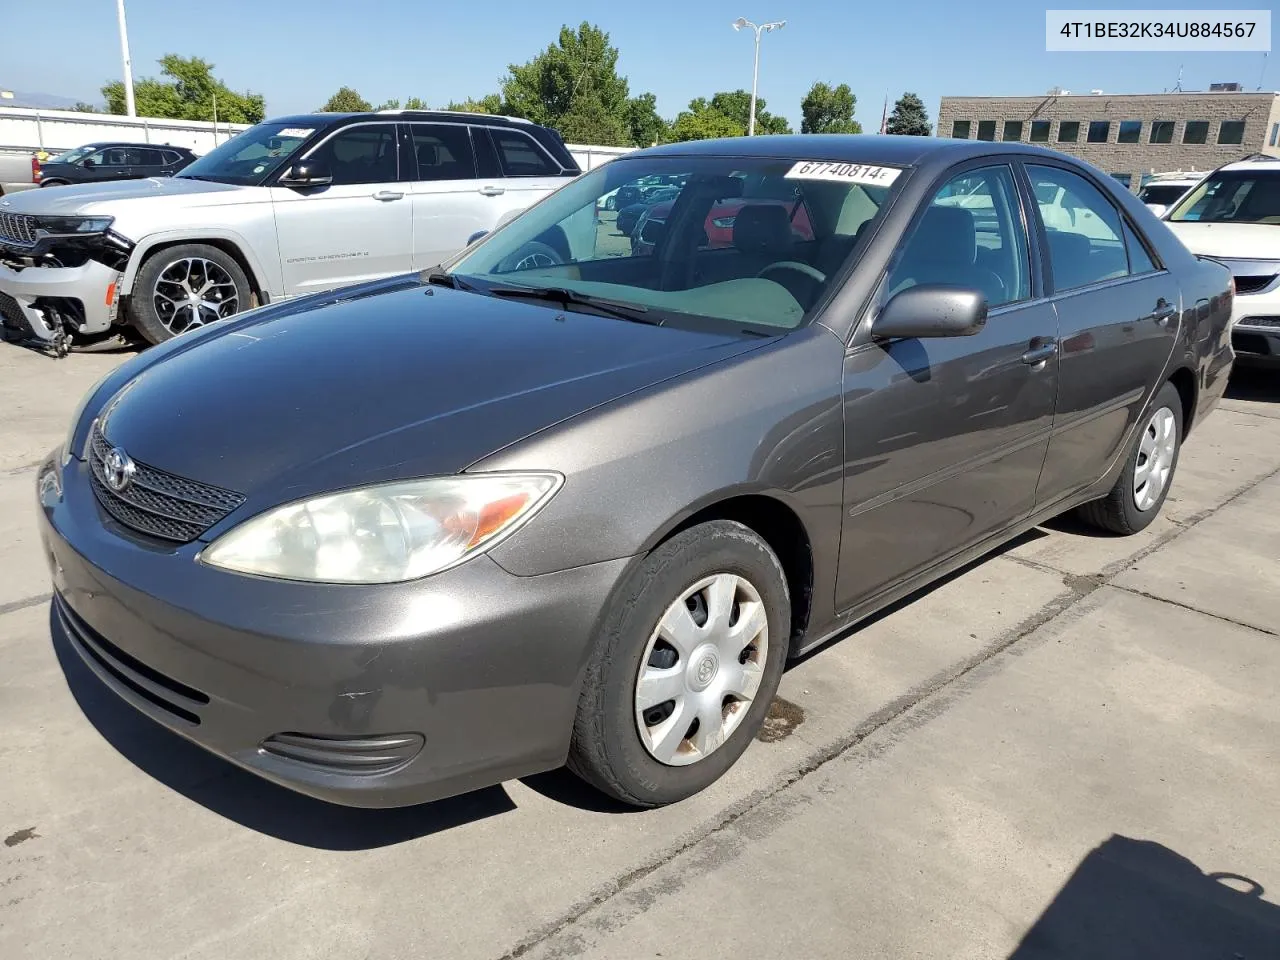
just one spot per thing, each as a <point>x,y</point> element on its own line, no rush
<point>18,836</point>
<point>781,721</point>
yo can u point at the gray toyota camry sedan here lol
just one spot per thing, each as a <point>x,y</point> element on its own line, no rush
<point>575,497</point>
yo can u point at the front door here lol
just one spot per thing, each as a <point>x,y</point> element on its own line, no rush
<point>357,228</point>
<point>945,437</point>
<point>1118,313</point>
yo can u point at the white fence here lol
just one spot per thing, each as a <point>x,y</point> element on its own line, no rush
<point>23,130</point>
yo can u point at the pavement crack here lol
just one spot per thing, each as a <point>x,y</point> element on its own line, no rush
<point>1193,609</point>
<point>33,601</point>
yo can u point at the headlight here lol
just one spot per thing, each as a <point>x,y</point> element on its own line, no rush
<point>70,226</point>
<point>723,222</point>
<point>68,442</point>
<point>383,534</point>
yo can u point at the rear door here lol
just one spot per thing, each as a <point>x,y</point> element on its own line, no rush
<point>448,201</point>
<point>1118,313</point>
<point>357,228</point>
<point>150,162</point>
<point>527,172</point>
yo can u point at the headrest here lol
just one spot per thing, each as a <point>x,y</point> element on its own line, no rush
<point>762,228</point>
<point>947,235</point>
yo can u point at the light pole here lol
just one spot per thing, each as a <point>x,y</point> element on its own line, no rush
<point>129,107</point>
<point>755,70</point>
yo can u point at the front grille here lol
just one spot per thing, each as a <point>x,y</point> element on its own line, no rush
<point>18,229</point>
<point>172,696</point>
<point>1254,284</point>
<point>158,503</point>
<point>356,756</point>
<point>1259,322</point>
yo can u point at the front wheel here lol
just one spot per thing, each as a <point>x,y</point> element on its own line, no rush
<point>1140,492</point>
<point>688,662</point>
<point>184,287</point>
<point>53,183</point>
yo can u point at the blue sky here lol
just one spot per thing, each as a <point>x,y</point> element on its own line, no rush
<point>678,49</point>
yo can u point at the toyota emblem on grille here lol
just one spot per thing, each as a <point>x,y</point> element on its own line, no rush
<point>117,470</point>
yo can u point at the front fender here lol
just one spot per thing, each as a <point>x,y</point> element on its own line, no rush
<point>262,277</point>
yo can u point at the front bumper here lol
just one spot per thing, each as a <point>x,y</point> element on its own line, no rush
<point>366,696</point>
<point>1255,315</point>
<point>83,293</point>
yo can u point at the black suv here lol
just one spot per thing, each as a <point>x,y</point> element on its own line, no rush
<point>98,162</point>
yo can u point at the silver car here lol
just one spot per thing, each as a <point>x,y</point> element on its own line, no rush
<point>293,206</point>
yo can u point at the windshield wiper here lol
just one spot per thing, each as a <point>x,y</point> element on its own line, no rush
<point>439,278</point>
<point>563,295</point>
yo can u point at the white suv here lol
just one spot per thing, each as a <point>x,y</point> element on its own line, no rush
<point>1233,216</point>
<point>289,207</point>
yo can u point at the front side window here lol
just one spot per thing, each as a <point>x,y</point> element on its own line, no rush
<point>970,235</point>
<point>1013,130</point>
<point>1081,226</point>
<point>1161,131</point>
<point>1130,131</point>
<point>986,129</point>
<point>1099,131</point>
<point>1068,131</point>
<point>1231,131</point>
<point>250,157</point>
<point>1196,131</point>
<point>520,155</point>
<point>365,153</point>
<point>710,241</point>
<point>442,151</point>
<point>1040,131</point>
<point>1233,196</point>
<point>960,130</point>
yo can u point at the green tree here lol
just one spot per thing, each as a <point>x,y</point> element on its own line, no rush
<point>490,104</point>
<point>346,100</point>
<point>828,109</point>
<point>909,117</point>
<point>388,105</point>
<point>736,105</point>
<point>189,93</point>
<point>702,121</point>
<point>82,107</point>
<point>647,128</point>
<point>416,103</point>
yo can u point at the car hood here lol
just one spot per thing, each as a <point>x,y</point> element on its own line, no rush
<point>384,386</point>
<point>106,197</point>
<point>1238,241</point>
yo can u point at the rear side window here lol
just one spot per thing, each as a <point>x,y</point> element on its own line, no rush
<point>171,157</point>
<point>1140,261</point>
<point>1086,243</point>
<point>521,156</point>
<point>150,158</point>
<point>442,151</point>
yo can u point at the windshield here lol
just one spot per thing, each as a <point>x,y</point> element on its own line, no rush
<point>750,241</point>
<point>1233,196</point>
<point>71,156</point>
<point>250,157</point>
<point>1162,193</point>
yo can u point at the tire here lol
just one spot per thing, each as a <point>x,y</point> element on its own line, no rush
<point>1131,507</point>
<point>534,255</point>
<point>609,749</point>
<point>52,183</point>
<point>162,278</point>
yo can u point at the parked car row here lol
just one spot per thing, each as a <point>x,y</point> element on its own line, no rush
<point>556,501</point>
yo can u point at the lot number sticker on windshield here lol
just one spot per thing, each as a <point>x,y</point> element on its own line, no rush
<point>839,172</point>
<point>301,133</point>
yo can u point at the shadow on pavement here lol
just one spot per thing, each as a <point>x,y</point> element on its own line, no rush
<point>249,800</point>
<point>563,787</point>
<point>1137,899</point>
<point>1252,383</point>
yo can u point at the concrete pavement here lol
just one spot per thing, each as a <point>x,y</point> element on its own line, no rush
<point>1062,741</point>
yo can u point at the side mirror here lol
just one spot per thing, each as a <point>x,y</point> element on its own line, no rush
<point>307,173</point>
<point>478,235</point>
<point>652,231</point>
<point>929,311</point>
<point>88,163</point>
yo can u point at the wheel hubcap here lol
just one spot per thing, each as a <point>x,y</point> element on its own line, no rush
<point>1156,450</point>
<point>192,292</point>
<point>701,669</point>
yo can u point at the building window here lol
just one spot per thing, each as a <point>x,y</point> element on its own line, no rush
<point>1013,129</point>
<point>1040,131</point>
<point>986,129</point>
<point>1231,131</point>
<point>1125,178</point>
<point>1196,131</point>
<point>1161,131</point>
<point>1068,131</point>
<point>1275,132</point>
<point>1130,131</point>
<point>960,129</point>
<point>1099,131</point>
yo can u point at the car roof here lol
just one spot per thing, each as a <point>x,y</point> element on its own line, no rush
<point>847,148</point>
<point>337,119</point>
<point>97,144</point>
<point>1271,163</point>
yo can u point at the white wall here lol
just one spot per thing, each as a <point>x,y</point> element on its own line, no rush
<point>25,130</point>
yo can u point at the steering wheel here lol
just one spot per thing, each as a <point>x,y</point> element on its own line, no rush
<point>531,256</point>
<point>802,289</point>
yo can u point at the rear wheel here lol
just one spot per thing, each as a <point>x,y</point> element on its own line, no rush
<point>688,662</point>
<point>53,183</point>
<point>184,287</point>
<point>1140,492</point>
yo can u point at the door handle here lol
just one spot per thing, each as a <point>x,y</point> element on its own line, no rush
<point>1163,311</point>
<point>1042,348</point>
<point>388,195</point>
<point>493,191</point>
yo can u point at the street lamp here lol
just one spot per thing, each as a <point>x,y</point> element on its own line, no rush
<point>128,65</point>
<point>755,70</point>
